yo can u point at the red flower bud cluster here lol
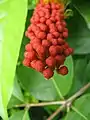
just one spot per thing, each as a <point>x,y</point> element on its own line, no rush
<point>47,49</point>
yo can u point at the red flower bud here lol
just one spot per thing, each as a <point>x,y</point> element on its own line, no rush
<point>48,73</point>
<point>26,62</point>
<point>51,62</point>
<point>63,70</point>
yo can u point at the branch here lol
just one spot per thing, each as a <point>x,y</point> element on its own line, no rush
<point>63,104</point>
<point>70,100</point>
<point>80,92</point>
<point>41,104</point>
<point>56,112</point>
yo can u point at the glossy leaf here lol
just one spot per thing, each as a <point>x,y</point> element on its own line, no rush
<point>82,111</point>
<point>42,89</point>
<point>21,115</point>
<point>87,72</point>
<point>17,95</point>
<point>11,29</point>
<point>14,101</point>
<point>83,6</point>
<point>80,64</point>
<point>17,91</point>
<point>79,34</point>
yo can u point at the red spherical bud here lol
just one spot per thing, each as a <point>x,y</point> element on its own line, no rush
<point>29,29</point>
<point>65,46</point>
<point>53,6</point>
<point>41,56</point>
<point>40,49</point>
<point>65,34</point>
<point>47,16</point>
<point>59,49</point>
<point>46,43</point>
<point>60,28</point>
<point>42,19</point>
<point>30,55</point>
<point>48,73</point>
<point>39,66</point>
<point>59,60</point>
<point>52,30</point>
<point>26,62</point>
<point>64,24</point>
<point>36,19</point>
<point>30,34</point>
<point>53,50</point>
<point>28,47</point>
<point>33,64</point>
<point>57,18</point>
<point>41,35</point>
<point>58,23</point>
<point>61,41</point>
<point>63,70</point>
<point>52,19</point>
<point>56,34</point>
<point>41,13</point>
<point>33,27</point>
<point>54,41</point>
<point>54,11</point>
<point>49,36</point>
<point>57,6</point>
<point>35,45</point>
<point>52,26</point>
<point>51,62</point>
<point>71,50</point>
<point>48,22</point>
<point>43,27</point>
<point>68,51</point>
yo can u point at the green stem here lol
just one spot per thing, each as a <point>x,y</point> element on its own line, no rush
<point>25,114</point>
<point>79,113</point>
<point>57,89</point>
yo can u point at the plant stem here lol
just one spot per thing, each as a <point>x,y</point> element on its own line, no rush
<point>70,100</point>
<point>62,103</point>
<point>79,113</point>
<point>57,89</point>
<point>41,104</point>
<point>80,92</point>
<point>56,112</point>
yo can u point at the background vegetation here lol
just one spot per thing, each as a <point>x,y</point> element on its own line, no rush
<point>21,86</point>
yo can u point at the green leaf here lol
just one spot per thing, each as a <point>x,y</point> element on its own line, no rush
<point>17,91</point>
<point>79,34</point>
<point>81,109</point>
<point>80,64</point>
<point>17,95</point>
<point>12,20</point>
<point>87,73</point>
<point>21,115</point>
<point>42,89</point>
<point>81,73</point>
<point>14,101</point>
<point>83,6</point>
